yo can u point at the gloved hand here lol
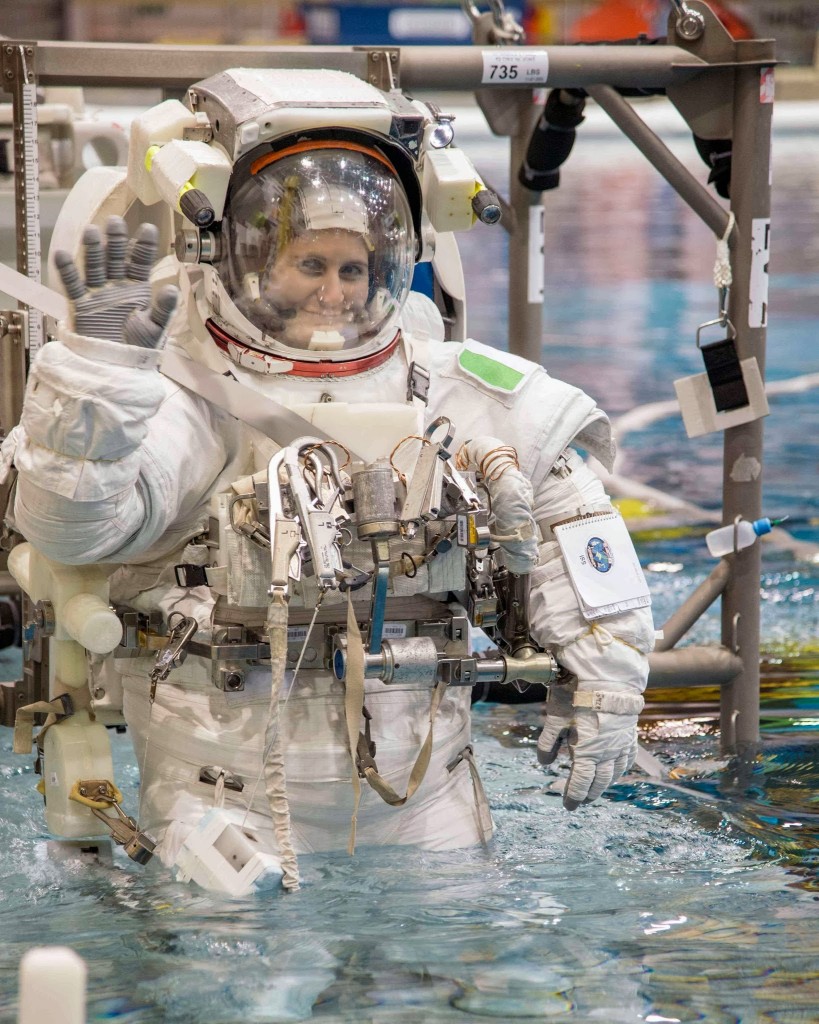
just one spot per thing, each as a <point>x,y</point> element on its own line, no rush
<point>602,743</point>
<point>114,300</point>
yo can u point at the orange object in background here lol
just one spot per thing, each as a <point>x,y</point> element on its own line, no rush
<point>626,19</point>
<point>614,19</point>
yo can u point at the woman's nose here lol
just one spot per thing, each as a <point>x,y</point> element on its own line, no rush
<point>331,291</point>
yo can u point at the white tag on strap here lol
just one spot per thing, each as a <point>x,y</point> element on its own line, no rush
<point>602,564</point>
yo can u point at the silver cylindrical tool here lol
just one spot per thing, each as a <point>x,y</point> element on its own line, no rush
<point>409,662</point>
<point>374,496</point>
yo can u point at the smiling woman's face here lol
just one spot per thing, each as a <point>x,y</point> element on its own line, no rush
<point>320,283</point>
<point>317,253</point>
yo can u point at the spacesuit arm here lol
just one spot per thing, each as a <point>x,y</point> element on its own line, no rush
<point>595,715</point>
<point>111,455</point>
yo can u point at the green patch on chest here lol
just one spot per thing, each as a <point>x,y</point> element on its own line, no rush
<point>493,372</point>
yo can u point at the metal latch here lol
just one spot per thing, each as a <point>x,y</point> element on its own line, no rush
<point>100,794</point>
<point>172,655</point>
<point>418,383</point>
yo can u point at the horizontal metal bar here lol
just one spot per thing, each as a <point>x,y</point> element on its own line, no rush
<point>177,67</point>
<point>421,67</point>
<point>693,666</point>
<point>694,605</point>
<point>708,709</point>
<point>462,67</point>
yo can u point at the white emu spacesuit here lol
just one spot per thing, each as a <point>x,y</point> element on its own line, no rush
<point>294,267</point>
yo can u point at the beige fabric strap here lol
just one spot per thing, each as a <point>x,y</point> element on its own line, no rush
<point>419,769</point>
<point>354,705</point>
<point>259,411</point>
<point>609,702</point>
<point>55,709</point>
<point>481,802</point>
<point>359,748</point>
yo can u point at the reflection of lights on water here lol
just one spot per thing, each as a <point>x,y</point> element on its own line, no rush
<point>664,926</point>
<point>664,566</point>
<point>655,1018</point>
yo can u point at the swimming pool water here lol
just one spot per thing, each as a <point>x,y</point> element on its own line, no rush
<point>694,898</point>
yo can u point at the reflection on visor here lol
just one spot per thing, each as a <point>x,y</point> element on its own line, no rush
<point>319,249</point>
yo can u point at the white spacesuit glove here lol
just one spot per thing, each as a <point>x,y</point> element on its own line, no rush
<point>599,729</point>
<point>114,301</point>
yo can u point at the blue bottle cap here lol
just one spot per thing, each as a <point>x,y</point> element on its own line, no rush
<point>762,526</point>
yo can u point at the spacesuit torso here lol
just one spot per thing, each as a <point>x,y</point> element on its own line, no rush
<point>194,724</point>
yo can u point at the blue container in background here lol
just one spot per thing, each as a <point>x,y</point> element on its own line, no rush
<point>388,24</point>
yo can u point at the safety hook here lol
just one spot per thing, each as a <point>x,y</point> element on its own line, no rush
<point>690,24</point>
<point>507,30</point>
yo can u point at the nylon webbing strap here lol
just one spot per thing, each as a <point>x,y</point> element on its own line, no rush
<point>481,802</point>
<point>274,420</point>
<point>353,706</point>
<point>359,743</point>
<point>419,769</point>
<point>725,375</point>
<point>61,707</point>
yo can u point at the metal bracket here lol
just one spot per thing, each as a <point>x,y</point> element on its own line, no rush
<point>695,98</point>
<point>383,68</point>
<point>41,625</point>
<point>18,56</point>
<point>13,696</point>
<point>418,383</point>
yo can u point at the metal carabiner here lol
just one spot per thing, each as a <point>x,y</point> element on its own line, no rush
<point>171,656</point>
<point>501,19</point>
<point>721,321</point>
<point>440,421</point>
<point>723,304</point>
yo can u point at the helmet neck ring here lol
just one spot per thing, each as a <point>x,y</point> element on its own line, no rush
<point>262,361</point>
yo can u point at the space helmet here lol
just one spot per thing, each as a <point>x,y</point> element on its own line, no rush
<point>306,197</point>
<point>318,249</point>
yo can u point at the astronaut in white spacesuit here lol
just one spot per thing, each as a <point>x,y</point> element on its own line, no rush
<point>294,275</point>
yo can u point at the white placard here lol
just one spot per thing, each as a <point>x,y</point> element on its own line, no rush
<point>515,67</point>
<point>758,285</point>
<point>602,564</point>
<point>537,236</point>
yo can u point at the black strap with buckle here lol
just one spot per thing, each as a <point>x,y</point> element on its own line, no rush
<point>189,575</point>
<point>725,375</point>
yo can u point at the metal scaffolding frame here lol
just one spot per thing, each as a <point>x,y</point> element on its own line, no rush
<point>717,84</point>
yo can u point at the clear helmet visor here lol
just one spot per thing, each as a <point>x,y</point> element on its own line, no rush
<point>319,250</point>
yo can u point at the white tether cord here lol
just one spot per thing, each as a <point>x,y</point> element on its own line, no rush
<point>284,705</point>
<point>722,266</point>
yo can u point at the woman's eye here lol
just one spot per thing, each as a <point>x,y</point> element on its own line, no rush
<point>312,266</point>
<point>352,271</point>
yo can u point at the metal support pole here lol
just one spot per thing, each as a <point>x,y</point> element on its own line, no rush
<point>526,262</point>
<point>657,153</point>
<point>693,666</point>
<point>742,460</point>
<point>694,605</point>
<point>19,78</point>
